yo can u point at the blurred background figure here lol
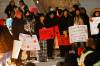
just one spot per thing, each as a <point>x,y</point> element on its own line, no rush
<point>10,8</point>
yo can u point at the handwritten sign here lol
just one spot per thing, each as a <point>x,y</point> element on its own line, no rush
<point>28,42</point>
<point>94,24</point>
<point>78,33</point>
<point>35,41</point>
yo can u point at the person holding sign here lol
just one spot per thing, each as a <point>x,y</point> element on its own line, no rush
<point>40,24</point>
<point>39,28</point>
<point>78,22</point>
<point>95,20</point>
<point>51,21</point>
<point>64,23</point>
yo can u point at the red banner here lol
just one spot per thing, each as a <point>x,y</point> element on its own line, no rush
<point>56,31</point>
<point>46,34</point>
<point>63,40</point>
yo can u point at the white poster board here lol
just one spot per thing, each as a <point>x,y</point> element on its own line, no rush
<point>78,33</point>
<point>16,48</point>
<point>29,43</point>
<point>94,24</point>
<point>35,41</point>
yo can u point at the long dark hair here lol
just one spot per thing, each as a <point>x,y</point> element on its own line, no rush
<point>95,13</point>
<point>40,15</point>
<point>67,12</point>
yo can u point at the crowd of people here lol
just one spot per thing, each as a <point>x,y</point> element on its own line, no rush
<point>22,20</point>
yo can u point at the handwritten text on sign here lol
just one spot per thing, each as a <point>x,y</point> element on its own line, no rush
<point>78,33</point>
<point>28,42</point>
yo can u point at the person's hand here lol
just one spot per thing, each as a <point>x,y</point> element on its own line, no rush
<point>65,33</point>
<point>44,28</point>
<point>1,55</point>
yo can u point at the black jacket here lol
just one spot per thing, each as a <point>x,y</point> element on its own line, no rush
<point>38,25</point>
<point>64,23</point>
<point>51,22</point>
<point>9,9</point>
<point>92,58</point>
<point>17,27</point>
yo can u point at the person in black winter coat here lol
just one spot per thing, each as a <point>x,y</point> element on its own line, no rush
<point>64,23</point>
<point>40,23</point>
<point>95,14</point>
<point>51,21</point>
<point>10,8</point>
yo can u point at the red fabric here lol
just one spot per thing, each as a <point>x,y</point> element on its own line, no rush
<point>80,49</point>
<point>2,22</point>
<point>56,31</point>
<point>46,34</point>
<point>63,40</point>
<point>18,14</point>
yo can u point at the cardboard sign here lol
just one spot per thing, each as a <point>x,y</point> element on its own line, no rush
<point>78,33</point>
<point>29,43</point>
<point>35,41</point>
<point>94,24</point>
<point>46,34</point>
<point>16,49</point>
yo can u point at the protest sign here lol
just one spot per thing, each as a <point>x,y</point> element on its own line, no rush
<point>94,24</point>
<point>35,41</point>
<point>29,42</point>
<point>78,33</point>
<point>16,49</point>
<point>63,40</point>
<point>46,34</point>
<point>56,31</point>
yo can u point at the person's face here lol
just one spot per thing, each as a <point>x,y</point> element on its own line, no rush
<point>77,12</point>
<point>51,15</point>
<point>41,18</point>
<point>97,14</point>
<point>65,13</point>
